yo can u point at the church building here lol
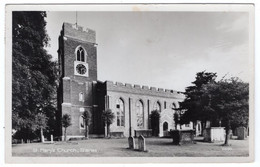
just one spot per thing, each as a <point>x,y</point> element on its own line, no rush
<point>80,90</point>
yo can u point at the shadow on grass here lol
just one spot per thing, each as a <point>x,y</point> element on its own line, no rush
<point>201,141</point>
<point>167,144</point>
<point>66,143</point>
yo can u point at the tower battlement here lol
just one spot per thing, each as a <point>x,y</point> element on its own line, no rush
<point>78,32</point>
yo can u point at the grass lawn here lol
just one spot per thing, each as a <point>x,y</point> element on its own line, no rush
<point>157,147</point>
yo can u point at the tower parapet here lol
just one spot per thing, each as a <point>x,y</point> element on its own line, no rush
<point>77,32</point>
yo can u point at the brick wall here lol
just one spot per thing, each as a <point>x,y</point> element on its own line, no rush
<point>72,85</point>
<point>69,57</point>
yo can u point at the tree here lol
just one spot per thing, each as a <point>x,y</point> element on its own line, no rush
<point>176,119</point>
<point>155,121</point>
<point>33,73</point>
<point>87,118</point>
<point>229,99</point>
<point>108,118</point>
<point>41,120</point>
<point>66,122</point>
<point>195,104</point>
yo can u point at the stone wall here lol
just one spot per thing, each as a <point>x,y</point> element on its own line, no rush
<point>143,90</point>
<point>131,94</point>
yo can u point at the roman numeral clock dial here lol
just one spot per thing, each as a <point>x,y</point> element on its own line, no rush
<point>81,69</point>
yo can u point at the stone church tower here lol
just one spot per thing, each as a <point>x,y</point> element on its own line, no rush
<point>77,78</point>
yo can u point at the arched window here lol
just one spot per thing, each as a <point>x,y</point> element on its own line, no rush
<point>157,106</point>
<point>120,112</point>
<point>81,122</point>
<point>81,97</point>
<point>140,114</point>
<point>81,54</point>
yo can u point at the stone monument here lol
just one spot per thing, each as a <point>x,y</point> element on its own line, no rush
<point>141,143</point>
<point>131,142</point>
<point>241,133</point>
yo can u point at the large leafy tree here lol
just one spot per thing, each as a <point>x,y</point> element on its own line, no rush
<point>196,105</point>
<point>33,73</point>
<point>229,98</point>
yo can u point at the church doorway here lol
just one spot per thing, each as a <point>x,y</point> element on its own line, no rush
<point>165,129</point>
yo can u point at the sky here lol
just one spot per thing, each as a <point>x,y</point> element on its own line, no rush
<point>162,49</point>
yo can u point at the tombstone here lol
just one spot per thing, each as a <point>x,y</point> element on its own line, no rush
<point>51,138</point>
<point>208,124</point>
<point>141,143</point>
<point>230,134</point>
<point>241,133</point>
<point>131,142</point>
<point>42,139</point>
<point>181,137</point>
<point>106,135</point>
<point>21,141</point>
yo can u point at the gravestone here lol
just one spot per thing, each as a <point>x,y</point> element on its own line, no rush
<point>106,131</point>
<point>42,139</point>
<point>51,138</point>
<point>208,124</point>
<point>230,134</point>
<point>180,137</point>
<point>241,133</point>
<point>141,143</point>
<point>131,142</point>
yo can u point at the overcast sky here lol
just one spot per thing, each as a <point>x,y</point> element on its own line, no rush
<point>162,49</point>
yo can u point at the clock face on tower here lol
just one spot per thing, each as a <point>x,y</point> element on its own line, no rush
<point>81,69</point>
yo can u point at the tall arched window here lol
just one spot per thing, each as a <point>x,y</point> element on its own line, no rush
<point>80,53</point>
<point>120,113</point>
<point>157,106</point>
<point>140,113</point>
